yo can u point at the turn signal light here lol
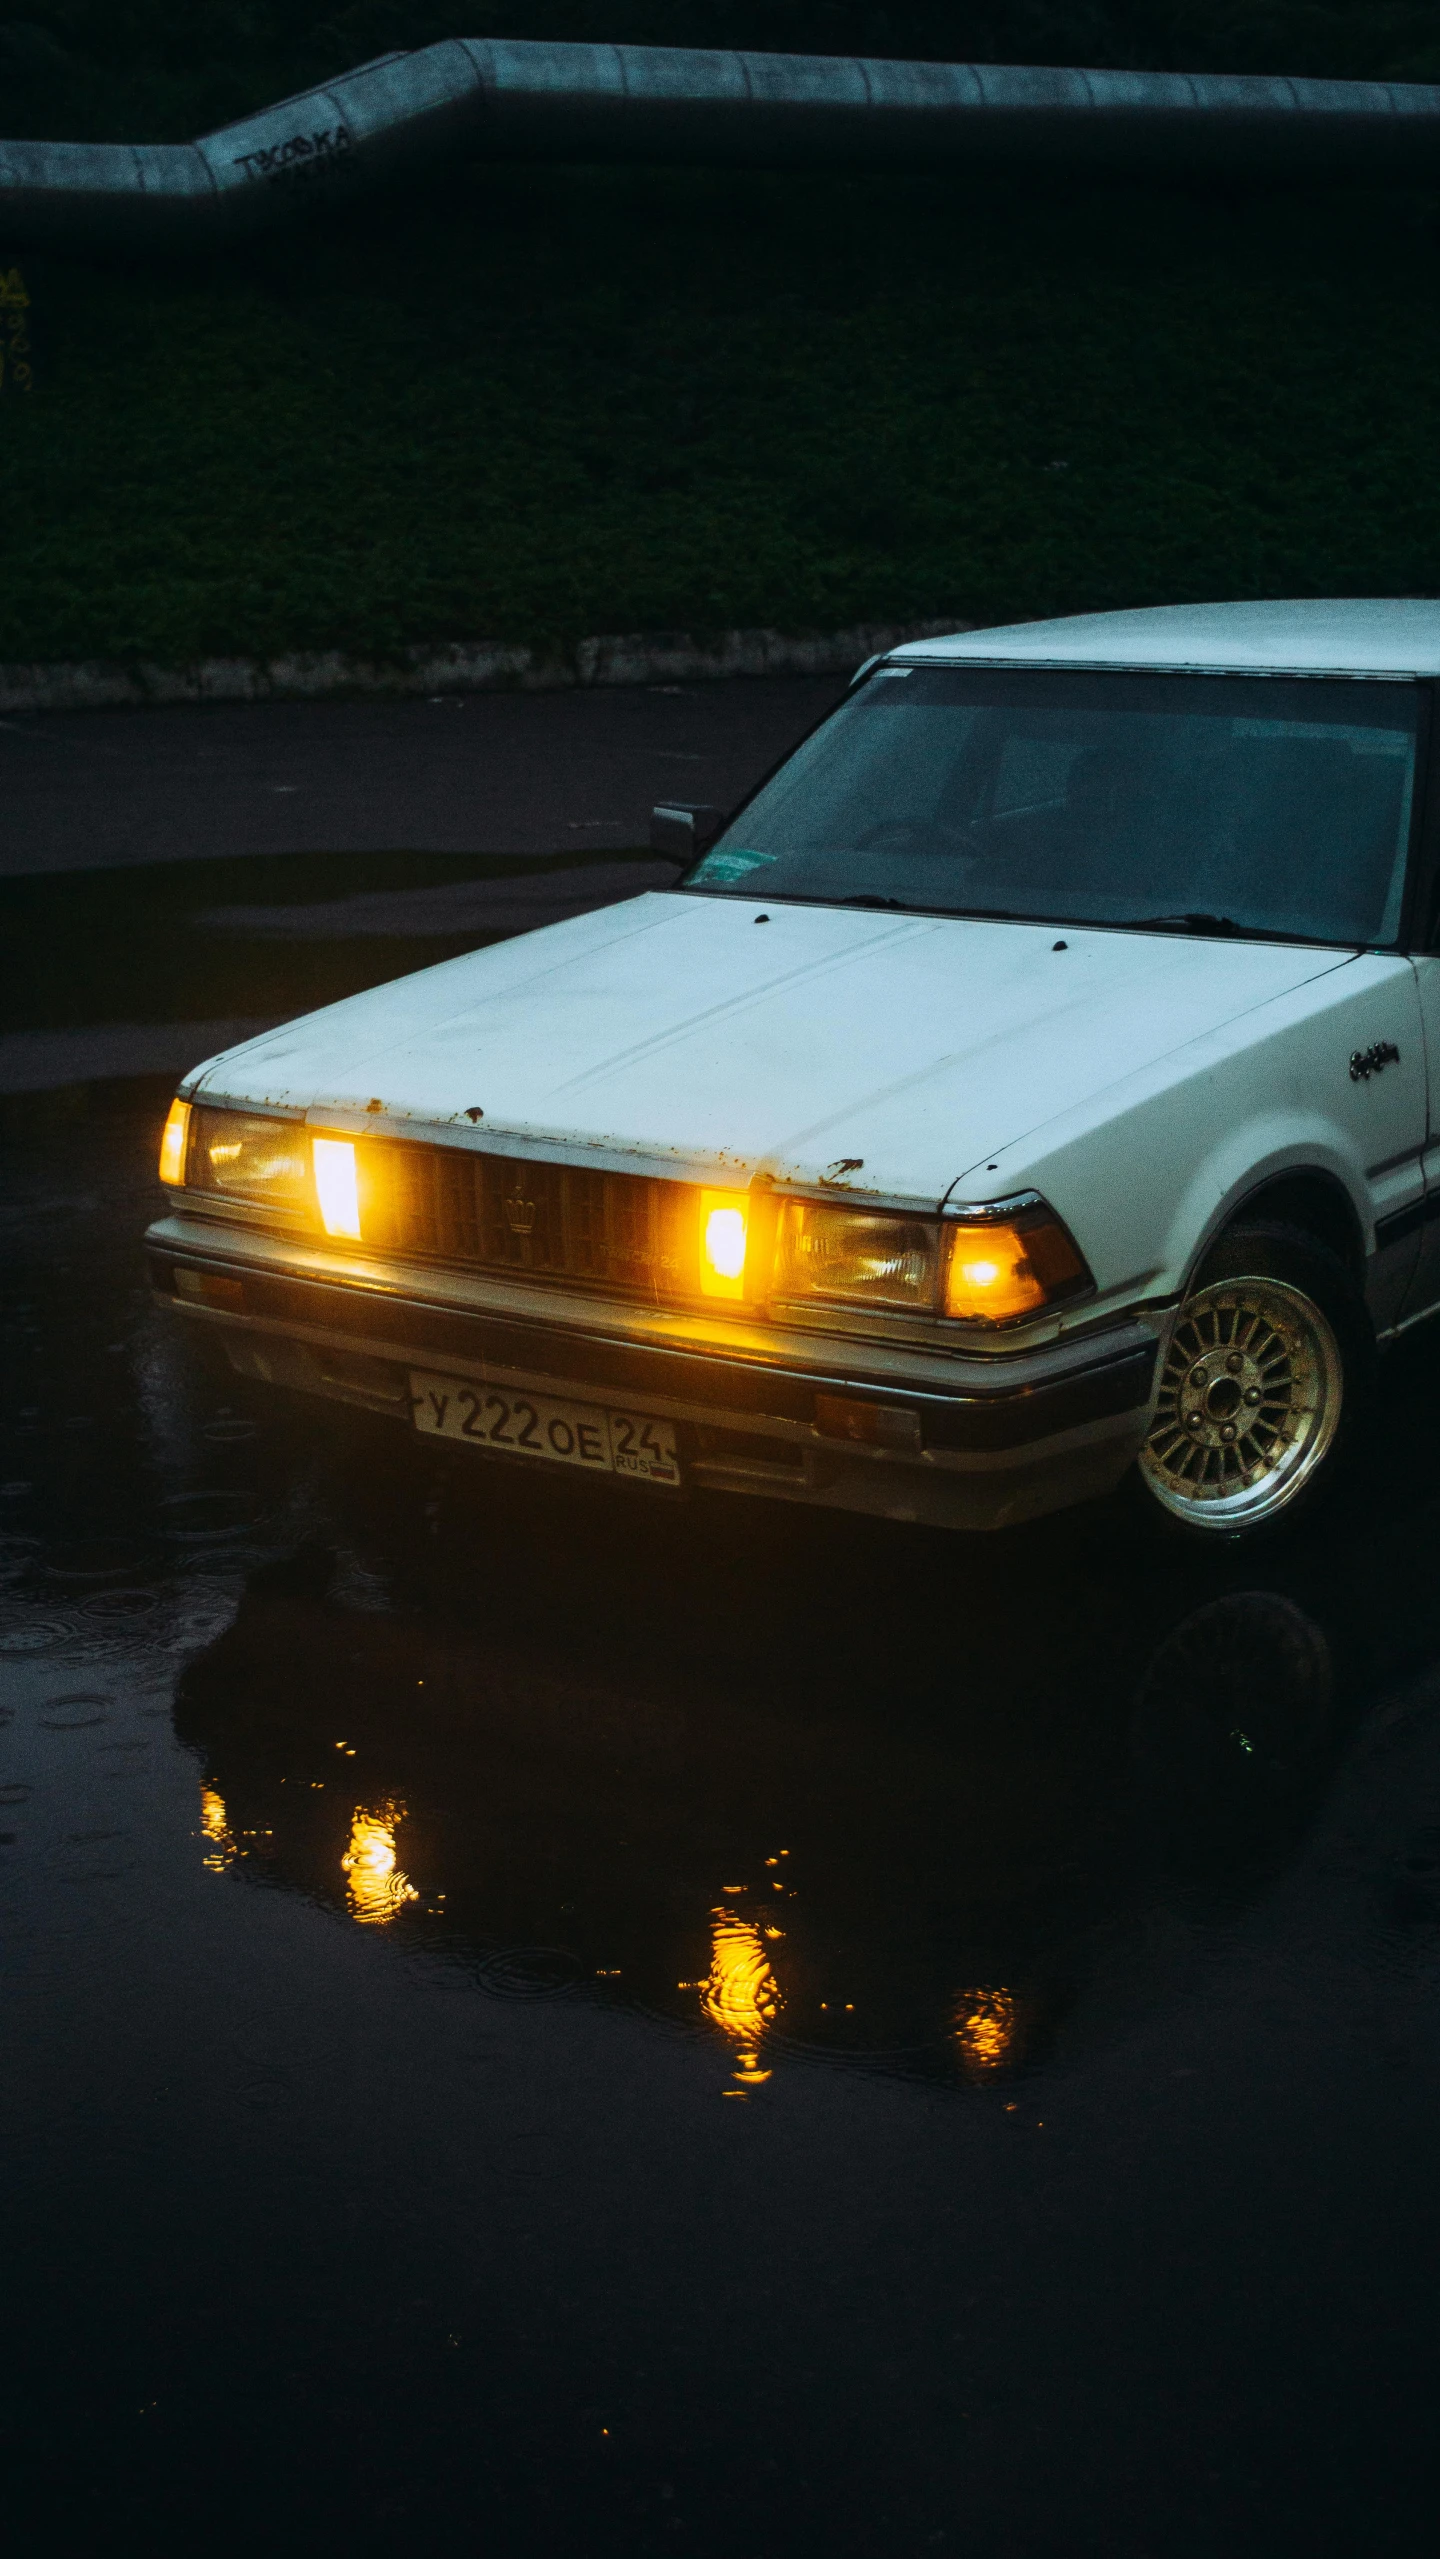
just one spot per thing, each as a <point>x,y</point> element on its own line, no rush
<point>337,1186</point>
<point>998,1270</point>
<point>172,1144</point>
<point>724,1219</point>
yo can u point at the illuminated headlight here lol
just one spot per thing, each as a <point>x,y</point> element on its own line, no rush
<point>995,1266</point>
<point>859,1255</point>
<point>268,1163</point>
<point>337,1185</point>
<point>241,1155</point>
<point>174,1142</point>
<point>724,1238</point>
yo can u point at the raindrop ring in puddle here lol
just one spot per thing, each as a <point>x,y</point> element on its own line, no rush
<point>531,1972</point>
<point>96,1559</point>
<point>69,1714</point>
<point>39,1637</point>
<point>120,1603</point>
<point>196,1516</point>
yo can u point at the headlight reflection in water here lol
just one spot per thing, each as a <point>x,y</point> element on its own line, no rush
<point>742,1996</point>
<point>986,2025</point>
<point>376,1887</point>
<point>215,1828</point>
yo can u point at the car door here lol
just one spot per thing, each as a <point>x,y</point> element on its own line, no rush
<point>1359,1058</point>
<point>1423,1292</point>
<point>1423,1217</point>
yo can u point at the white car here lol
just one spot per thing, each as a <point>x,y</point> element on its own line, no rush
<point>1026,1086</point>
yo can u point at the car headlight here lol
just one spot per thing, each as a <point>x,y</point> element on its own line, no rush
<point>337,1185</point>
<point>269,1163</point>
<point>174,1143</point>
<point>994,1266</point>
<point>724,1242</point>
<point>242,1155</point>
<point>859,1255</point>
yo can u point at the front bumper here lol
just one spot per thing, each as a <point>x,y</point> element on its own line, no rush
<point>964,1442</point>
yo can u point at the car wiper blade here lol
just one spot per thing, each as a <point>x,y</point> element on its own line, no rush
<point>963,914</point>
<point>1196,922</point>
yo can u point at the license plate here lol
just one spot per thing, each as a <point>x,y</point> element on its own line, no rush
<point>595,1436</point>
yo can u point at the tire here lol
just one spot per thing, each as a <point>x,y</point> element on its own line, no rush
<point>1265,1392</point>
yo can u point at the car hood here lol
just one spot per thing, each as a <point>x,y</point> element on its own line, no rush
<point>683,1034</point>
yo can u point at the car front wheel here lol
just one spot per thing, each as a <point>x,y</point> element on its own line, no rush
<point>1263,1388</point>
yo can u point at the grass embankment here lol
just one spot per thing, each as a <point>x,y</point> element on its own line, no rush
<point>555,402</point>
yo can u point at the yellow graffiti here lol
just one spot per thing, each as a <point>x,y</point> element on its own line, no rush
<point>16,372</point>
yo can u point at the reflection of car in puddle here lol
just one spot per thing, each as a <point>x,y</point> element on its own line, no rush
<point>1232,1730</point>
<point>792,1863</point>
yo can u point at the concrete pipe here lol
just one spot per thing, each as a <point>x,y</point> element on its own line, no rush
<point>406,113</point>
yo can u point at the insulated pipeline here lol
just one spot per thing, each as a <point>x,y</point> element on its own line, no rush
<point>408,112</point>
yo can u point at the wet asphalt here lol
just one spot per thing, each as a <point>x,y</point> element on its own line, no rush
<point>521,773</point>
<point>560,2020</point>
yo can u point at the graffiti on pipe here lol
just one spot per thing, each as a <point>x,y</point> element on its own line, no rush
<point>16,371</point>
<point>301,161</point>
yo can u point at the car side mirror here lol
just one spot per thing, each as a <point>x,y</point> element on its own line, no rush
<point>682,828</point>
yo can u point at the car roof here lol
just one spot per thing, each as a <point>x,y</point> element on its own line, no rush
<point>1370,635</point>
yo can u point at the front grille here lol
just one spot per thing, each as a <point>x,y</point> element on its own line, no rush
<point>623,1231</point>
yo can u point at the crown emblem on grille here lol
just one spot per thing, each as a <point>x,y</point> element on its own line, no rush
<point>520,1213</point>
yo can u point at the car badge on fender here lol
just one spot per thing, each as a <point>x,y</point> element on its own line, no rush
<point>1365,1062</point>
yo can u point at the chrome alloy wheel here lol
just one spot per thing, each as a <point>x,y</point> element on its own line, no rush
<point>1249,1404</point>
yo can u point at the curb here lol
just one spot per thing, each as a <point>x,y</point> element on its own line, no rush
<point>657,657</point>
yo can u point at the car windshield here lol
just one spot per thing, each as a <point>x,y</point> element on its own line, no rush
<point>1264,805</point>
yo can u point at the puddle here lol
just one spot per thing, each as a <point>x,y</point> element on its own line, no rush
<point>820,1879</point>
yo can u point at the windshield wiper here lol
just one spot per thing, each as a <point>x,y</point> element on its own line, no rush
<point>1193,923</point>
<point>966,914</point>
